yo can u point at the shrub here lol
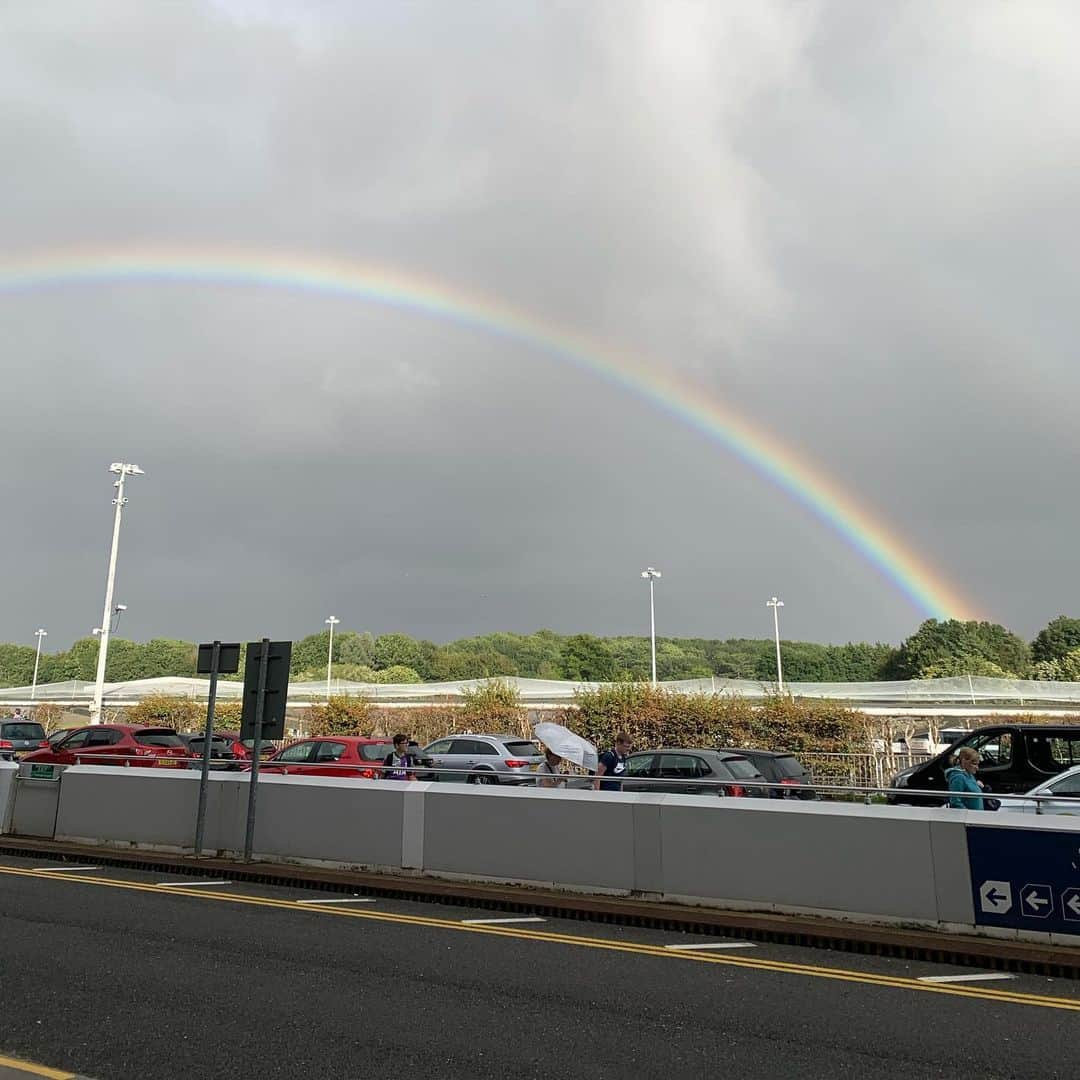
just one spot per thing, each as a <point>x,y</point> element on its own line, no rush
<point>494,706</point>
<point>165,710</point>
<point>342,715</point>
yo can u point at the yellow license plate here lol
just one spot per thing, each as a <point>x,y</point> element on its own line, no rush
<point>168,763</point>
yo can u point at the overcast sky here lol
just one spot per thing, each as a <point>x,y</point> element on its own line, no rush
<point>854,223</point>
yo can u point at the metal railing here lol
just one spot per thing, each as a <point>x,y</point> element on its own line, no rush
<point>866,794</point>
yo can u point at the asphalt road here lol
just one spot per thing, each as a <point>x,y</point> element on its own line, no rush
<point>110,974</point>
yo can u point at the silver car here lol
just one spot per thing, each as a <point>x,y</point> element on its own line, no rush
<point>482,759</point>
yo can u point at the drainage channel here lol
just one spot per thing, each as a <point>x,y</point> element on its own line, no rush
<point>928,946</point>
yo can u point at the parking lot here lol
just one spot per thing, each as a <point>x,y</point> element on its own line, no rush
<point>110,972</point>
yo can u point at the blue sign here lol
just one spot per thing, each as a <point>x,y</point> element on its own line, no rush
<point>1025,879</point>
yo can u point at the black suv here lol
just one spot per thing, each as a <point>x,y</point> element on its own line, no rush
<point>780,767</point>
<point>19,737</point>
<point>1015,758</point>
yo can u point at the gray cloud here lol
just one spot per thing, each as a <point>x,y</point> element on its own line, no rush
<point>854,224</point>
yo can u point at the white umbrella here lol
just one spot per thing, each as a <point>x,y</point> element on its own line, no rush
<point>562,741</point>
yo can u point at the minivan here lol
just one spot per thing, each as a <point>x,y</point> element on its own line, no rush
<point>1015,757</point>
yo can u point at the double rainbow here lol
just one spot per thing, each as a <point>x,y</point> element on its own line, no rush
<point>930,593</point>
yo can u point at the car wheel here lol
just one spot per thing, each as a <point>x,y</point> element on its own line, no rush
<point>483,778</point>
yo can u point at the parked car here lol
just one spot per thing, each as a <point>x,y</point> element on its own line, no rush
<point>116,744</point>
<point>225,752</point>
<point>330,755</point>
<point>483,759</point>
<point>1063,796</point>
<point>648,770</point>
<point>19,737</point>
<point>780,767</point>
<point>1015,758</point>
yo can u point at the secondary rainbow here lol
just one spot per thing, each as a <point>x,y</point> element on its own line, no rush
<point>821,495</point>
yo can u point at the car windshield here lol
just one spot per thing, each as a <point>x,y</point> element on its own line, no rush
<point>375,751</point>
<point>22,731</point>
<point>522,749</point>
<point>162,737</point>
<point>741,769</point>
<point>265,747</point>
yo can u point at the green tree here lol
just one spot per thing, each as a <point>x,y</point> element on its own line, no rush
<point>586,659</point>
<point>17,665</point>
<point>392,650</point>
<point>936,642</point>
<point>398,673</point>
<point>1059,637</point>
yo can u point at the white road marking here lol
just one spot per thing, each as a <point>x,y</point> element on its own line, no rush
<point>191,881</point>
<point>716,945</point>
<point>985,976</point>
<point>488,922</point>
<point>341,900</point>
<point>54,869</point>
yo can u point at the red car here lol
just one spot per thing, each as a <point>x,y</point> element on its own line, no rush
<point>329,755</point>
<point>116,744</point>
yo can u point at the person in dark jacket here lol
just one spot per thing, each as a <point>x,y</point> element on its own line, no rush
<point>400,762</point>
<point>965,791</point>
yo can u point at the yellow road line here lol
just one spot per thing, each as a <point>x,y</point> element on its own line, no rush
<point>34,1070</point>
<point>895,982</point>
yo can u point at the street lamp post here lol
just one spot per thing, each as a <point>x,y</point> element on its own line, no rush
<point>651,575</point>
<point>776,605</point>
<point>331,622</point>
<point>123,470</point>
<point>39,634</point>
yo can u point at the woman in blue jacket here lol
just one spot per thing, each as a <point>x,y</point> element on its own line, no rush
<point>965,793</point>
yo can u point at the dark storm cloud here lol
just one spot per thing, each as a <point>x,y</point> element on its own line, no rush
<point>853,222</point>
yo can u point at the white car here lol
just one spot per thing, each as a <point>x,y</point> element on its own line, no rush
<point>1063,792</point>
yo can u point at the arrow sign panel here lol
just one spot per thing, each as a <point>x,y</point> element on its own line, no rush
<point>1070,904</point>
<point>1037,901</point>
<point>996,897</point>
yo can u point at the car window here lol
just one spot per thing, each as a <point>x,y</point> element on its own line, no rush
<point>995,747</point>
<point>330,751</point>
<point>76,740</point>
<point>440,747</point>
<point>522,749</point>
<point>680,766</point>
<point>1054,751</point>
<point>1069,786</point>
<point>158,737</point>
<point>472,747</point>
<point>299,752</point>
<point>22,731</point>
<point>376,751</point>
<point>103,737</point>
<point>741,769</point>
<point>640,766</point>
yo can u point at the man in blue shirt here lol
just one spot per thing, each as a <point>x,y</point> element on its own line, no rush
<point>613,763</point>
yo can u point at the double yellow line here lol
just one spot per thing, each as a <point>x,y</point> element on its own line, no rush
<point>893,982</point>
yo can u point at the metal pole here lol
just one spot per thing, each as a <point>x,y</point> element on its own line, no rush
<point>652,623</point>
<point>208,736</point>
<point>39,634</point>
<point>249,835</point>
<point>330,656</point>
<point>106,618</point>
<point>775,605</point>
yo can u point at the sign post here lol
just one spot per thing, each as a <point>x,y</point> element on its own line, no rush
<point>266,685</point>
<point>214,659</point>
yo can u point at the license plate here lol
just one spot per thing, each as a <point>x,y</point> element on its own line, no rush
<point>168,763</point>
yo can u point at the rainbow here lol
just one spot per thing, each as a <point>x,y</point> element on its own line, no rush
<point>392,288</point>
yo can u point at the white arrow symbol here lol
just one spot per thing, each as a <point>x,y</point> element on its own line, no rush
<point>1073,903</point>
<point>1036,901</point>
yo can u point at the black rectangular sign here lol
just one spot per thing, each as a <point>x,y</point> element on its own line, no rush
<point>228,658</point>
<point>276,689</point>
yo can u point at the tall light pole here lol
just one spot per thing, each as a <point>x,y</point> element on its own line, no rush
<point>776,605</point>
<point>651,574</point>
<point>123,470</point>
<point>331,622</point>
<point>39,634</point>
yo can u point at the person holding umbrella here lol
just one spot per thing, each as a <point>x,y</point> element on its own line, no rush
<point>548,770</point>
<point>561,744</point>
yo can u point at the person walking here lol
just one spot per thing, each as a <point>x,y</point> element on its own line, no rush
<point>548,772</point>
<point>613,764</point>
<point>400,762</point>
<point>965,793</point>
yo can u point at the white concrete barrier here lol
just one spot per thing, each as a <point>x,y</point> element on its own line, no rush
<point>8,771</point>
<point>896,865</point>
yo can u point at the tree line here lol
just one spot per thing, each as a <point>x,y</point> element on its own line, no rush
<point>936,649</point>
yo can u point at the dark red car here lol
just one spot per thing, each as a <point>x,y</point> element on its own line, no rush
<point>331,755</point>
<point>116,744</point>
